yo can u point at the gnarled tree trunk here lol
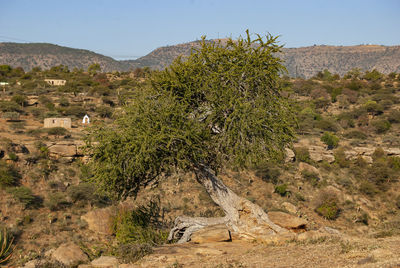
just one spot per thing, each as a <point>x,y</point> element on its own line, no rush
<point>243,217</point>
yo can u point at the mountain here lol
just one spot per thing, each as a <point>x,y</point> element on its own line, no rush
<point>300,62</point>
<point>46,55</point>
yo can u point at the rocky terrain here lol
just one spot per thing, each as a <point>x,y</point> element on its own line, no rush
<point>336,191</point>
<point>300,62</point>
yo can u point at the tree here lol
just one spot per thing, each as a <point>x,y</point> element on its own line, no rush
<point>219,107</point>
<point>94,68</point>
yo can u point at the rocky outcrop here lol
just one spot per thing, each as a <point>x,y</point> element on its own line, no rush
<point>320,153</point>
<point>288,221</point>
<point>67,150</point>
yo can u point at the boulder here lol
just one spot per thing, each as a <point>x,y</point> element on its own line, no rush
<point>393,151</point>
<point>100,220</point>
<point>214,233</point>
<point>105,262</point>
<point>320,153</point>
<point>63,150</point>
<point>287,221</point>
<point>290,156</point>
<point>289,207</point>
<point>69,254</point>
<point>307,167</point>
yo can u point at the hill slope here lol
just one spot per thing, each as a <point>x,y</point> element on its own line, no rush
<point>300,62</point>
<point>46,55</point>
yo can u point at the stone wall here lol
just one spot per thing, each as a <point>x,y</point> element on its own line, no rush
<point>57,122</point>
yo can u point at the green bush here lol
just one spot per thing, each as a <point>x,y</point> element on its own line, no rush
<point>327,125</point>
<point>282,190</point>
<point>104,112</point>
<point>381,125</point>
<point>330,140</point>
<point>130,253</point>
<point>373,107</point>
<point>75,111</point>
<point>302,154</point>
<point>340,158</point>
<point>311,177</point>
<point>84,193</point>
<point>19,99</point>
<point>328,206</point>
<point>24,195</point>
<point>140,226</point>
<point>9,176</point>
<point>9,106</point>
<point>57,131</point>
<point>64,102</point>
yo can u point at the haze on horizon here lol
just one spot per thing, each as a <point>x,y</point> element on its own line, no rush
<point>126,29</point>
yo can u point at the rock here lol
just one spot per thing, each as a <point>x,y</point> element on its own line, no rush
<point>63,150</point>
<point>100,220</point>
<point>393,151</point>
<point>287,221</point>
<point>290,207</point>
<point>105,262</point>
<point>31,264</point>
<point>290,156</point>
<point>364,150</point>
<point>350,155</point>
<point>214,233</point>
<point>367,159</point>
<point>330,230</point>
<point>69,254</point>
<point>306,167</point>
<point>319,153</point>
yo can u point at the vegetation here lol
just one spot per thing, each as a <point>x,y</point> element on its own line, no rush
<point>6,246</point>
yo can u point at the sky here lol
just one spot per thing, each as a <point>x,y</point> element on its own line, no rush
<point>127,29</point>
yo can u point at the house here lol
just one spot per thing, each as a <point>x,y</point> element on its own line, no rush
<point>57,122</point>
<point>55,82</point>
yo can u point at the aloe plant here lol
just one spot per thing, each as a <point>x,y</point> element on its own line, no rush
<point>6,247</point>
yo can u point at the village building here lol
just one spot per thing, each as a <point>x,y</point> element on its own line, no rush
<point>86,120</point>
<point>55,82</point>
<point>57,122</point>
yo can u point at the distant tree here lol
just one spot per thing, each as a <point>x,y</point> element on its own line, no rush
<point>373,76</point>
<point>19,99</point>
<point>94,68</point>
<point>221,106</point>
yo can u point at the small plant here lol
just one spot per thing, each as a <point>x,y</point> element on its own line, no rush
<point>368,188</point>
<point>356,134</point>
<point>394,116</point>
<point>302,154</point>
<point>56,201</point>
<point>57,131</point>
<point>311,177</point>
<point>130,253</point>
<point>331,140</point>
<point>9,176</point>
<point>269,173</point>
<point>340,158</point>
<point>6,248</point>
<point>282,190</point>
<point>381,125</point>
<point>24,195</point>
<point>328,206</point>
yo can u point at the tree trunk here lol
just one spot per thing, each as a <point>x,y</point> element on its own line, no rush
<point>243,217</point>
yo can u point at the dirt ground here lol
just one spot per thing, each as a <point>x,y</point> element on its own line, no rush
<point>333,252</point>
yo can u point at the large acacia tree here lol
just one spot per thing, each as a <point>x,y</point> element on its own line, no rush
<point>219,107</point>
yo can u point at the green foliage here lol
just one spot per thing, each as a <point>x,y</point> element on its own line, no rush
<point>311,177</point>
<point>104,111</point>
<point>368,188</point>
<point>85,193</point>
<point>9,106</point>
<point>56,201</point>
<point>24,195</point>
<point>340,158</point>
<point>394,116</point>
<point>302,154</point>
<point>218,107</point>
<point>381,125</point>
<point>373,107</point>
<point>19,99</point>
<point>328,206</point>
<point>9,176</point>
<point>373,75</point>
<point>130,253</point>
<point>12,116</point>
<point>139,226</point>
<point>331,140</point>
<point>6,246</point>
<point>64,102</point>
<point>94,68</point>
<point>282,190</point>
<point>326,124</point>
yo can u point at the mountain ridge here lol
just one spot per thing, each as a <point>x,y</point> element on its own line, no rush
<point>300,62</point>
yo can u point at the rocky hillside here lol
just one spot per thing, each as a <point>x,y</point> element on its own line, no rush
<point>300,62</point>
<point>46,56</point>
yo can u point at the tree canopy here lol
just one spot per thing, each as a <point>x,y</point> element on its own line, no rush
<point>220,106</point>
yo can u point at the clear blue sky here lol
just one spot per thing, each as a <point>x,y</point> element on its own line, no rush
<point>123,28</point>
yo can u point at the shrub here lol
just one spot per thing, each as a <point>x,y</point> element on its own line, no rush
<point>368,188</point>
<point>130,253</point>
<point>327,125</point>
<point>9,106</point>
<point>398,202</point>
<point>311,177</point>
<point>330,140</point>
<point>24,195</point>
<point>56,201</point>
<point>269,173</point>
<point>327,206</point>
<point>340,158</point>
<point>75,111</point>
<point>86,193</point>
<point>373,107</point>
<point>381,125</point>
<point>9,176</point>
<point>373,75</point>
<point>19,99</point>
<point>282,190</point>
<point>104,112</point>
<point>6,246</point>
<point>139,226</point>
<point>394,116</point>
<point>356,134</point>
<point>64,102</point>
<point>302,154</point>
